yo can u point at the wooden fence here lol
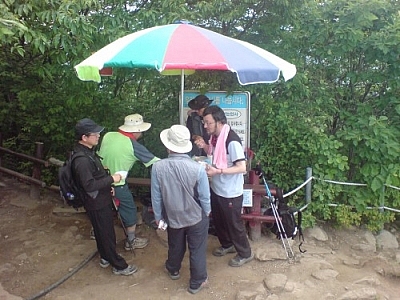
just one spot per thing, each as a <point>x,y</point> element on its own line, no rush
<point>38,164</point>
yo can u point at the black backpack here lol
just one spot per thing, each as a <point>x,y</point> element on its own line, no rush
<point>291,227</point>
<point>70,191</point>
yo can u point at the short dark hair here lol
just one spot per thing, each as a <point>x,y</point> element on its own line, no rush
<point>216,112</point>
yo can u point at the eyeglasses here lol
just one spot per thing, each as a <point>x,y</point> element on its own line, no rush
<point>208,124</point>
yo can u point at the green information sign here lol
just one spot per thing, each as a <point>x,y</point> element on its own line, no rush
<point>235,105</point>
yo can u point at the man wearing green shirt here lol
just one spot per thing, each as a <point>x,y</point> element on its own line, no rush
<point>119,151</point>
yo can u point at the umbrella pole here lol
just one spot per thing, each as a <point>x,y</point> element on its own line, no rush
<point>181,117</point>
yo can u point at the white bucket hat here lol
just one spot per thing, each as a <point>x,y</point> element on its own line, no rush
<point>176,139</point>
<point>134,123</point>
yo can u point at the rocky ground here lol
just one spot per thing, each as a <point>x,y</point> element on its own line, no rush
<point>46,252</point>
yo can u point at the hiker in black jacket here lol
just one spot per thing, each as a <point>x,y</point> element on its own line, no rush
<point>90,175</point>
<point>194,122</point>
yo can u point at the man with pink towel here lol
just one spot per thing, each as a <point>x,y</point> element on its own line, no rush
<point>227,169</point>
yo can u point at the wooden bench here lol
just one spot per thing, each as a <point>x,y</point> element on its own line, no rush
<point>255,215</point>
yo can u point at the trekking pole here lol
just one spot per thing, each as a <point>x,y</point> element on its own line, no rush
<point>279,225</point>
<point>123,226</point>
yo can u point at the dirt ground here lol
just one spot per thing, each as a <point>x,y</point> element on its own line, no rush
<point>41,244</point>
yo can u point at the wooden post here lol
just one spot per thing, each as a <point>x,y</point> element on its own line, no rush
<point>255,225</point>
<point>36,174</point>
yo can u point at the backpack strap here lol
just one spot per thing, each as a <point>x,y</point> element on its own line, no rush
<point>81,154</point>
<point>301,236</point>
<point>282,204</point>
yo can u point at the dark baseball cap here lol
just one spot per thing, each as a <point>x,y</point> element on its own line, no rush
<point>199,102</point>
<point>86,126</point>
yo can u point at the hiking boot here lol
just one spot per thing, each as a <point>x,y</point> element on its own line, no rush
<point>238,261</point>
<point>137,243</point>
<point>196,290</point>
<point>129,270</point>
<point>104,263</point>
<point>174,275</point>
<point>221,251</point>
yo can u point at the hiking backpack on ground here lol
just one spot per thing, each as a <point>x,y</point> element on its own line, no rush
<point>70,192</point>
<point>291,227</point>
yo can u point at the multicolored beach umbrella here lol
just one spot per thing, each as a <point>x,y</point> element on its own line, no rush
<point>183,48</point>
<point>176,47</point>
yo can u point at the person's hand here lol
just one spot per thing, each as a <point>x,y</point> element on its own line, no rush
<point>211,171</point>
<point>195,137</point>
<point>200,143</point>
<point>112,191</point>
<point>117,177</point>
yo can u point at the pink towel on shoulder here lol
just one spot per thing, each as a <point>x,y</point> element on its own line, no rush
<point>219,155</point>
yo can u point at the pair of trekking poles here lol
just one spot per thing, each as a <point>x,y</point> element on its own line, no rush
<point>279,224</point>
<point>281,229</point>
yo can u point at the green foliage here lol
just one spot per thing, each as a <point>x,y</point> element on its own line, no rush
<point>344,215</point>
<point>350,82</point>
<point>10,27</point>
<point>348,206</point>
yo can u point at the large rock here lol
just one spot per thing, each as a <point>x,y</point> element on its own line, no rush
<point>317,233</point>
<point>368,243</point>
<point>325,274</point>
<point>371,281</point>
<point>366,293</point>
<point>253,291</point>
<point>386,240</point>
<point>275,283</point>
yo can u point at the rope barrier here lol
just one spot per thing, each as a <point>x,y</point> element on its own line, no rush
<point>393,187</point>
<point>370,207</point>
<point>298,188</point>
<point>303,207</point>
<point>342,183</point>
<point>391,209</point>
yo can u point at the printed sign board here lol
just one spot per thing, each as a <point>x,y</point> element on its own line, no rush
<point>236,106</point>
<point>247,198</point>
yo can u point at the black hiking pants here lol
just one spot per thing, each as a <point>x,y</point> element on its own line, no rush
<point>103,224</point>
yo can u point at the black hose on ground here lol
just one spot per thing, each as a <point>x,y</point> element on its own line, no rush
<point>56,284</point>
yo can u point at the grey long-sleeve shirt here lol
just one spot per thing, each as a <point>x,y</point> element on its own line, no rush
<point>179,191</point>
